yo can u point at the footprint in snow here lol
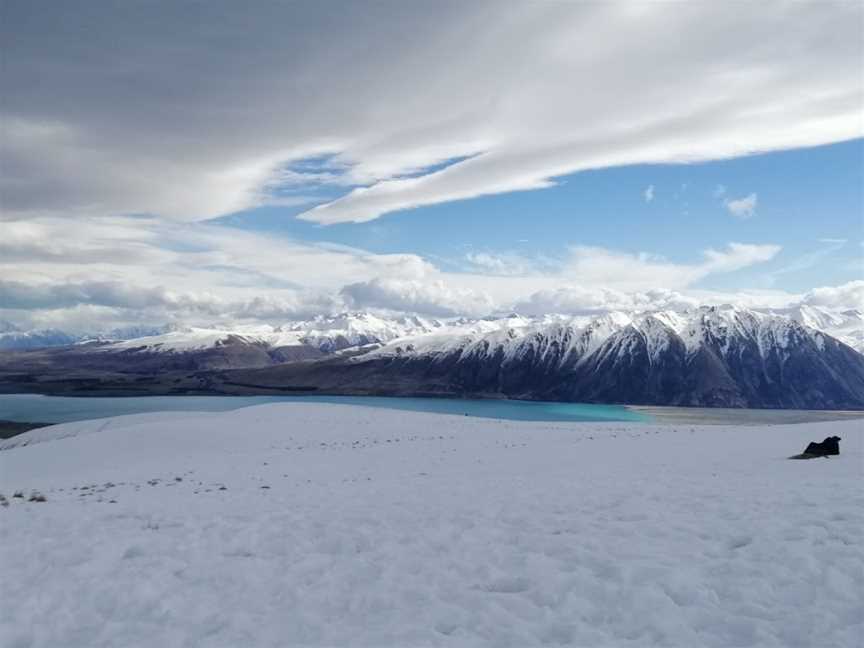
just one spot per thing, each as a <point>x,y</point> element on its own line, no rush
<point>739,542</point>
<point>507,585</point>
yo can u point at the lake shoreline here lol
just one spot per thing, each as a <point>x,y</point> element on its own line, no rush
<point>53,409</point>
<point>18,416</point>
<point>741,416</point>
<point>9,429</point>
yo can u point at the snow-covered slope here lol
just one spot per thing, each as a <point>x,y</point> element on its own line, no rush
<point>327,334</point>
<point>13,338</point>
<point>311,525</point>
<point>191,339</point>
<point>845,325</point>
<point>331,334</point>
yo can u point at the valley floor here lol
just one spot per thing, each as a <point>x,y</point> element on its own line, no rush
<point>320,525</point>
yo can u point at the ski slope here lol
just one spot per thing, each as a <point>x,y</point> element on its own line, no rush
<point>319,525</point>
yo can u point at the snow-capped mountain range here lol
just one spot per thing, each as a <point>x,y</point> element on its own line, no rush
<point>326,334</point>
<point>14,337</point>
<point>807,358</point>
<point>580,337</point>
<point>330,334</point>
<point>720,356</point>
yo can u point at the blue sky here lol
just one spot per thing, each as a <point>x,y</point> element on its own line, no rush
<point>810,201</point>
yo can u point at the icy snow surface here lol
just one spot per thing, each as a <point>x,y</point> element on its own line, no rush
<point>347,526</point>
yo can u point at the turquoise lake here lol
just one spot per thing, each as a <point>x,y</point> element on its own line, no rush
<point>63,409</point>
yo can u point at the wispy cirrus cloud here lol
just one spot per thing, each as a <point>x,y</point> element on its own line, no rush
<point>744,207</point>
<point>808,260</point>
<point>627,271</point>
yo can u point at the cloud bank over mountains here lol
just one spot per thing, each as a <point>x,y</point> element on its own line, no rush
<point>144,270</point>
<point>126,271</point>
<point>102,306</point>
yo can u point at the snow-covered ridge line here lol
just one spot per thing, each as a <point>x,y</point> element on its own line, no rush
<point>578,338</point>
<point>327,334</point>
<point>330,334</point>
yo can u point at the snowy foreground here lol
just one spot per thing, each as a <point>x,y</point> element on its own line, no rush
<point>318,525</point>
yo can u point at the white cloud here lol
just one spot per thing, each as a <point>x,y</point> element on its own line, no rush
<point>32,296</point>
<point>648,194</point>
<point>626,271</point>
<point>846,296</point>
<point>742,208</point>
<point>287,306</point>
<point>115,271</point>
<point>757,299</point>
<point>737,256</point>
<point>430,298</point>
<point>195,256</point>
<point>164,271</point>
<point>509,264</point>
<point>578,300</point>
<point>183,123</point>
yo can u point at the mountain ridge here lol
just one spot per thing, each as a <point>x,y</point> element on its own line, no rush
<point>336,332</point>
<point>711,356</point>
